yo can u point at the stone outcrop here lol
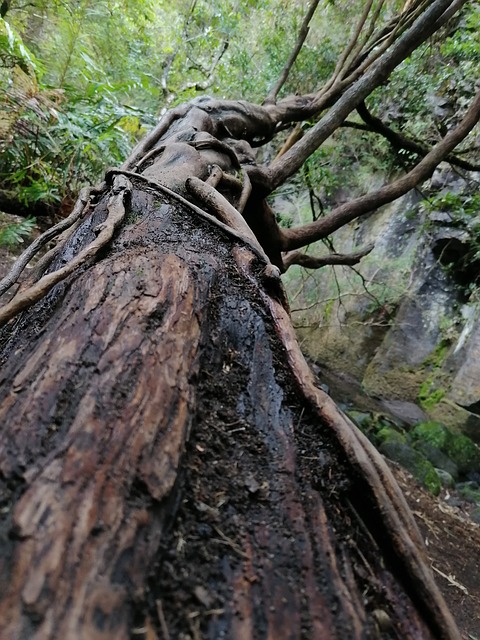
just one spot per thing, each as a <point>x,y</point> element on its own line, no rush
<point>408,327</point>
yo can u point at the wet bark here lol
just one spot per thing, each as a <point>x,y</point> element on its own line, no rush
<point>168,467</point>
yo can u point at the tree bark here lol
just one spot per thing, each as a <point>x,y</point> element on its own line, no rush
<point>169,468</point>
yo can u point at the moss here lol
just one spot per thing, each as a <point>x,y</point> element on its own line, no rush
<point>435,433</point>
<point>401,383</point>
<point>363,419</point>
<point>327,311</point>
<point>388,434</point>
<point>431,480</point>
<point>429,398</point>
<point>460,449</point>
<point>414,462</point>
<point>470,491</point>
<point>455,417</point>
<point>437,457</point>
<point>437,357</point>
<point>432,389</point>
<point>464,452</point>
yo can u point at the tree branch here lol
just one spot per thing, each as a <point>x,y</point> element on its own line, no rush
<point>207,82</point>
<point>421,30</point>
<point>400,141</point>
<point>313,262</point>
<point>273,93</point>
<point>301,236</point>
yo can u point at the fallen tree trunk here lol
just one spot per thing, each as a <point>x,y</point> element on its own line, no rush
<point>169,468</point>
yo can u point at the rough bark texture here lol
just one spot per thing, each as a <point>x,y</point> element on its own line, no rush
<point>165,465</point>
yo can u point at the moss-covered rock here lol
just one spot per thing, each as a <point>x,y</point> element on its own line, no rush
<point>475,515</point>
<point>432,432</point>
<point>458,448</point>
<point>446,479</point>
<point>470,491</point>
<point>436,456</point>
<point>389,434</point>
<point>400,383</point>
<point>414,462</point>
<point>464,452</point>
<point>363,419</point>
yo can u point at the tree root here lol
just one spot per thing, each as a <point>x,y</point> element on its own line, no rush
<point>80,207</point>
<point>393,508</point>
<point>254,246</point>
<point>116,214</point>
<point>213,199</point>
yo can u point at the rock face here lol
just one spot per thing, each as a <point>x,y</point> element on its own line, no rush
<point>407,327</point>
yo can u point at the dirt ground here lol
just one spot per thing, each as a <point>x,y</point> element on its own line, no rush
<point>453,545</point>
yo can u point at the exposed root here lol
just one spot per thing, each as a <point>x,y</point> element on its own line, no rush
<point>254,246</point>
<point>46,260</point>
<point>80,207</point>
<point>116,214</point>
<point>213,199</point>
<point>393,509</point>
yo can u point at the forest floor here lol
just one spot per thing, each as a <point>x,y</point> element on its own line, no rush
<point>453,546</point>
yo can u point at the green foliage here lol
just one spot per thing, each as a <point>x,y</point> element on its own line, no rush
<point>433,432</point>
<point>460,206</point>
<point>436,82</point>
<point>92,69</point>
<point>414,462</point>
<point>13,51</point>
<point>422,450</point>
<point>14,233</point>
<point>463,209</point>
<point>53,150</point>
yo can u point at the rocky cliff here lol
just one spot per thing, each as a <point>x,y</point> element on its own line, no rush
<point>405,322</point>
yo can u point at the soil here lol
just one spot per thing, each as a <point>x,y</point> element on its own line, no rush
<point>453,546</point>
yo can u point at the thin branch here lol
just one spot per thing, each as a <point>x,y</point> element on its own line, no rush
<point>313,262</point>
<point>273,93</point>
<point>301,236</point>
<point>203,85</point>
<point>400,141</point>
<point>354,40</point>
<point>423,28</point>
<point>171,58</point>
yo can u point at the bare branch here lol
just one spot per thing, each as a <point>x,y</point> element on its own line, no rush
<point>170,59</point>
<point>423,27</point>
<point>301,236</point>
<point>313,262</point>
<point>354,40</point>
<point>273,93</point>
<point>203,85</point>
<point>400,141</point>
